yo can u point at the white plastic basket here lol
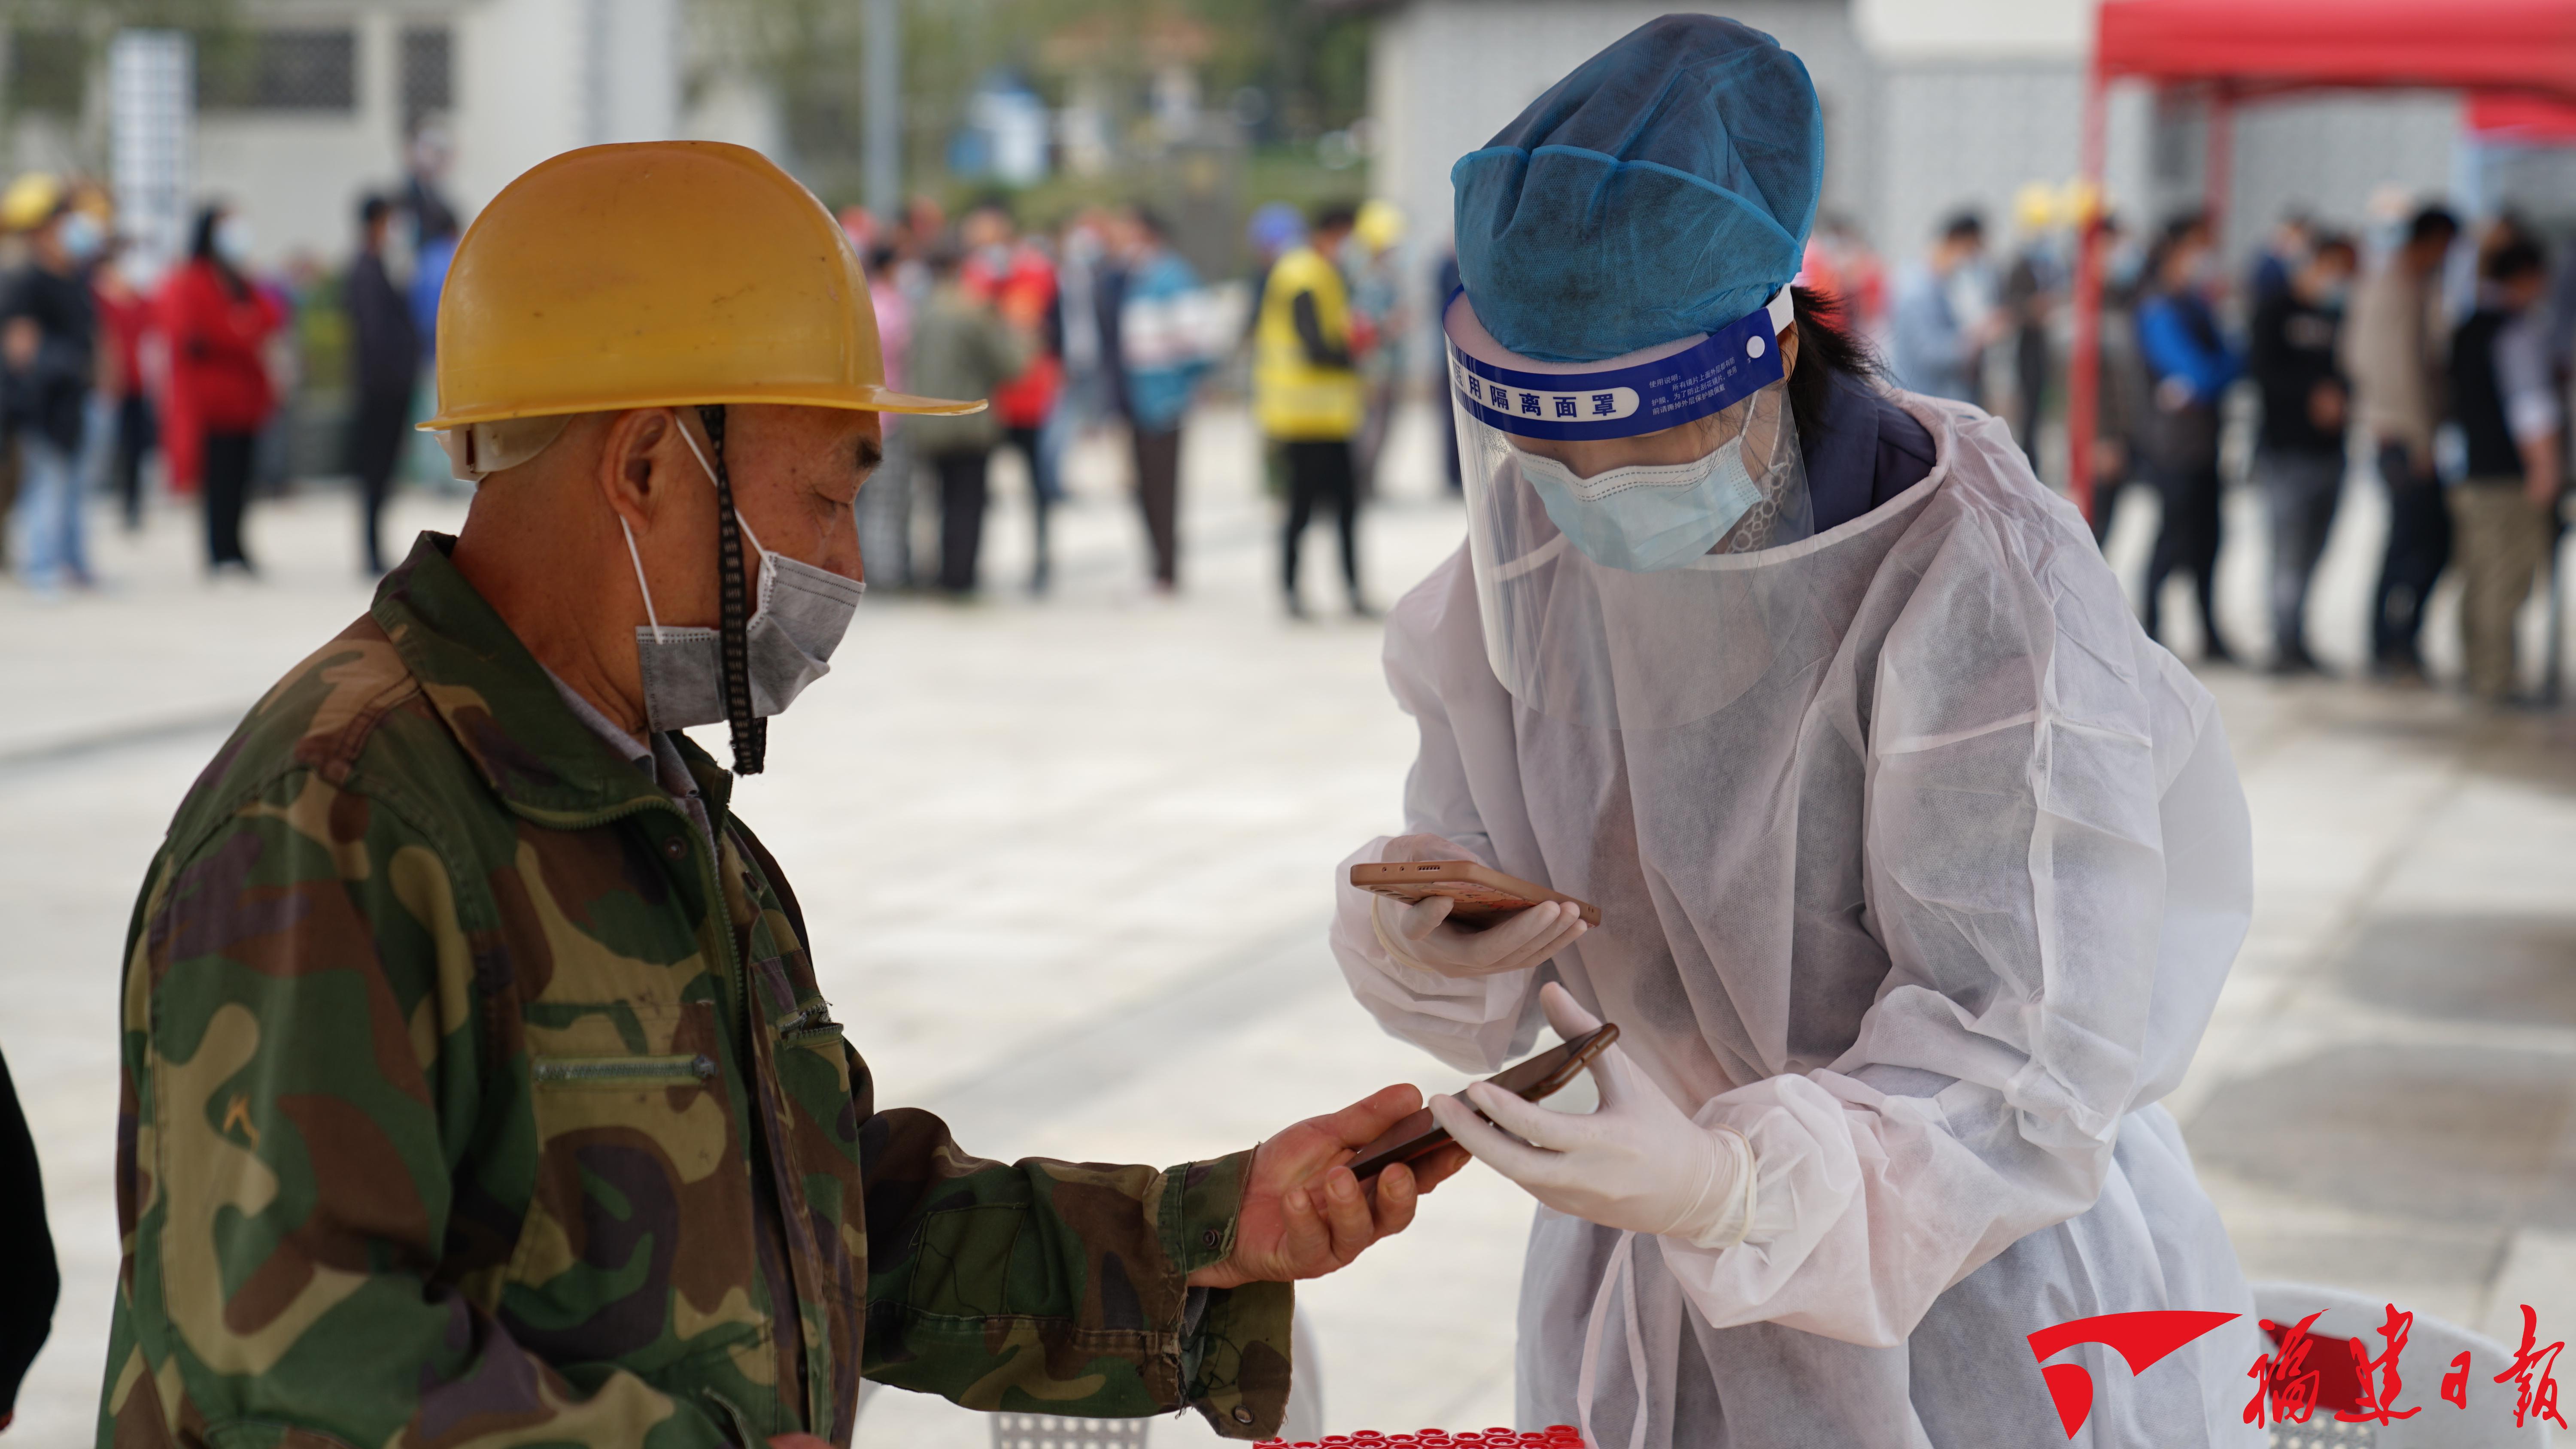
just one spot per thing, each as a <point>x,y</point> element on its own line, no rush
<point>2487,1422</point>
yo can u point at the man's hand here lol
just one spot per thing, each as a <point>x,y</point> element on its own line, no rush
<point>1305,1215</point>
<point>2326,405</point>
<point>20,342</point>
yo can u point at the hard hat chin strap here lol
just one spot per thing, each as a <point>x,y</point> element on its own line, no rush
<point>733,600</point>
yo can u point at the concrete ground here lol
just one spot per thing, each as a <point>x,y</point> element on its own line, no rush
<point>1067,864</point>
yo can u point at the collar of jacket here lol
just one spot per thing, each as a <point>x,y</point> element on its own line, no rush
<point>543,762</point>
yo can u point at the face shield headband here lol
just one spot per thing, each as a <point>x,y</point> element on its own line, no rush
<point>1623,397</point>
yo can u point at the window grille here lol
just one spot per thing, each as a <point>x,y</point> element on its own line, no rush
<point>428,73</point>
<point>281,70</point>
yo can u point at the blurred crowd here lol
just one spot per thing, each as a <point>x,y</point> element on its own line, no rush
<point>203,376</point>
<point>2435,356</point>
<point>1102,325</point>
<point>208,381</point>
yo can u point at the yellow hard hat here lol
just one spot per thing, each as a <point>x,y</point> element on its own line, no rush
<point>659,274</point>
<point>1380,224</point>
<point>31,200</point>
<point>2035,206</point>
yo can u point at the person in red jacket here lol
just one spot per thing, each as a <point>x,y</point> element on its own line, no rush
<point>218,323</point>
<point>1008,273</point>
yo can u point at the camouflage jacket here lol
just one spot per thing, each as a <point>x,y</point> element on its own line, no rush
<point>470,1100</point>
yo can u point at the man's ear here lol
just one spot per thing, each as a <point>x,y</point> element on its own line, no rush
<point>630,472</point>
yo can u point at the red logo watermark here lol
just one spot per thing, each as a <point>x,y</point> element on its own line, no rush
<point>2304,1372</point>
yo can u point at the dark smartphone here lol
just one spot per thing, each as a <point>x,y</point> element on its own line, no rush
<point>1483,895</point>
<point>1540,1077</point>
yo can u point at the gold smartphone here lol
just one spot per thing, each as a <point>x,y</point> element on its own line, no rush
<point>1483,894</point>
<point>1540,1077</point>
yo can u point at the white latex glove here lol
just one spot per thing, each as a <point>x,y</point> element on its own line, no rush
<point>1422,936</point>
<point>1637,1163</point>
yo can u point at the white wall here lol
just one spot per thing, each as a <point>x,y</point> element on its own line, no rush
<point>1986,30</point>
<point>1447,74</point>
<point>2329,153</point>
<point>296,176</point>
<point>530,78</point>
<point>538,77</point>
<point>1971,133</point>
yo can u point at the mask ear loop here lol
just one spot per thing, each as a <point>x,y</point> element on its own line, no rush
<point>649,616</point>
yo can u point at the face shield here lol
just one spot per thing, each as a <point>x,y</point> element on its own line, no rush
<point>1628,520</point>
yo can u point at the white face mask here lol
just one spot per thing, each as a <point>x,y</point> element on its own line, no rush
<point>800,613</point>
<point>233,240</point>
<point>1646,517</point>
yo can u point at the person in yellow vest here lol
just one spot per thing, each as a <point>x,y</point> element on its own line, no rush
<point>1306,393</point>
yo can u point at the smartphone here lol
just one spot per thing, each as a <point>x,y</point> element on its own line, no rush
<point>1540,1077</point>
<point>1483,894</point>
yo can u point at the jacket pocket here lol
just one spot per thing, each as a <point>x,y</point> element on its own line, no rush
<point>639,1179</point>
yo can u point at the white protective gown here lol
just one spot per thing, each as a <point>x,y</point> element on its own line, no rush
<point>1934,914</point>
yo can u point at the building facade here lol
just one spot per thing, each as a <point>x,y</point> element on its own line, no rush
<point>1931,107</point>
<point>306,105</point>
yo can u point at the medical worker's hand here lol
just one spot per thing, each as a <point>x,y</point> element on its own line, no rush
<point>1421,935</point>
<point>1638,1163</point>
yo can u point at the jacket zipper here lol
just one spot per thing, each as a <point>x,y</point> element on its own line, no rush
<point>620,1070</point>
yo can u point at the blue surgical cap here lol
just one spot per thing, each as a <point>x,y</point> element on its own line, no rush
<point>1663,189</point>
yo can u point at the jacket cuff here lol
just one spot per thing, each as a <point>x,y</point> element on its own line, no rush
<point>1235,1348</point>
<point>1197,1214</point>
<point>1237,1366</point>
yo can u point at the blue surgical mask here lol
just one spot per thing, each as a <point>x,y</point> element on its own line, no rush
<point>82,237</point>
<point>1647,517</point>
<point>2128,260</point>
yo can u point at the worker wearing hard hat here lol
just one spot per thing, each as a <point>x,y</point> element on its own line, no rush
<point>49,346</point>
<point>1306,393</point>
<point>478,1089</point>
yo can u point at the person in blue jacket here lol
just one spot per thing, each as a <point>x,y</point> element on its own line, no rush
<point>1161,358</point>
<point>2191,362</point>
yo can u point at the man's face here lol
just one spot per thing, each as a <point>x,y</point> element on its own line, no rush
<point>984,227</point>
<point>2325,276</point>
<point>2425,257</point>
<point>2525,290</point>
<point>795,472</point>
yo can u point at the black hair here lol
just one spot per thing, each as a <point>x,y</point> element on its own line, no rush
<point>1827,347</point>
<point>2514,261</point>
<point>1963,225</point>
<point>1336,216</point>
<point>373,208</point>
<point>880,258</point>
<point>1151,221</point>
<point>995,201</point>
<point>2169,238</point>
<point>201,241</point>
<point>2432,223</point>
<point>2334,241</point>
<point>201,247</point>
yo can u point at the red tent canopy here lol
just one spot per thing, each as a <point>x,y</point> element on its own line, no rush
<point>2517,57</point>
<point>2263,45</point>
